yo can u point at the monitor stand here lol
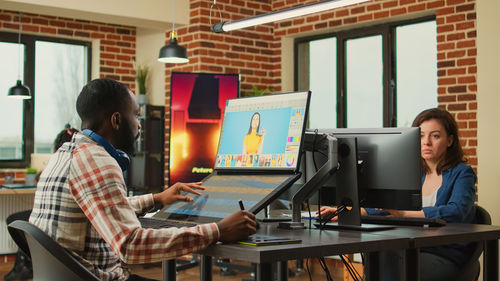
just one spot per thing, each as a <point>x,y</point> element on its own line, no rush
<point>347,189</point>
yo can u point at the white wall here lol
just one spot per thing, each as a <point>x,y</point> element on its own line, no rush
<point>149,42</point>
<point>155,14</point>
<point>488,152</point>
<point>488,61</point>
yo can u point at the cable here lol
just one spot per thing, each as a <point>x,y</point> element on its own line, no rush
<point>308,270</point>
<point>350,268</point>
<point>323,265</point>
<point>310,217</point>
<point>211,7</point>
<point>330,216</point>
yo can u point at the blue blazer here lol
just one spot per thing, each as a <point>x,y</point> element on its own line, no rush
<point>455,204</point>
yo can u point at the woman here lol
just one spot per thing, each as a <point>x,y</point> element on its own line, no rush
<point>253,142</point>
<point>448,193</point>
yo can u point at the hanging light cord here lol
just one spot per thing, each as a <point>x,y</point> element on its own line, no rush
<point>19,49</point>
<point>211,7</point>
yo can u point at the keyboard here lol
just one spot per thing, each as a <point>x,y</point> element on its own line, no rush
<point>158,223</point>
<point>405,221</point>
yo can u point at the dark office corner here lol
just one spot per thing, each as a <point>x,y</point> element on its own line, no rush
<point>146,166</point>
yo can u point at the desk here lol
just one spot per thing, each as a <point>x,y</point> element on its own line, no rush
<point>451,233</point>
<point>11,201</point>
<point>316,243</point>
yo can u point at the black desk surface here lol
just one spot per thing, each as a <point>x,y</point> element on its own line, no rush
<point>316,243</point>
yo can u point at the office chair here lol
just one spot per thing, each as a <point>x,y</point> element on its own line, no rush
<point>51,262</point>
<point>470,270</point>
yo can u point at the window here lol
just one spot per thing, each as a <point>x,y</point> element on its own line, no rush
<point>55,70</point>
<point>380,76</point>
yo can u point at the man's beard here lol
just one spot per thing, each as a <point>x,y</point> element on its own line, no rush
<point>126,140</point>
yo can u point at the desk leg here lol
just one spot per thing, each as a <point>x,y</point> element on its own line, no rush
<point>490,260</point>
<point>206,268</point>
<point>412,259</point>
<point>169,270</point>
<point>282,270</point>
<point>264,272</point>
<point>372,266</point>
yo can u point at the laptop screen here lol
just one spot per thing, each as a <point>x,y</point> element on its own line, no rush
<point>262,133</point>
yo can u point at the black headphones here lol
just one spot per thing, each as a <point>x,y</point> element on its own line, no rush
<point>120,156</point>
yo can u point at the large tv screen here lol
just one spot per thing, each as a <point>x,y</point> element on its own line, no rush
<point>197,103</point>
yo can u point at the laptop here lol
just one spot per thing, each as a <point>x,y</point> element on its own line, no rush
<point>257,159</point>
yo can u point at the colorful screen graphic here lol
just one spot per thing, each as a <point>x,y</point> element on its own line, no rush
<point>262,132</point>
<point>197,103</point>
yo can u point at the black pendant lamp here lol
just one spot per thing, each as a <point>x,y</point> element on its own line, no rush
<point>19,91</point>
<point>173,52</point>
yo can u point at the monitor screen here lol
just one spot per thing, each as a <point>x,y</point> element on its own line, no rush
<point>222,193</point>
<point>262,133</point>
<point>388,166</point>
<point>197,103</point>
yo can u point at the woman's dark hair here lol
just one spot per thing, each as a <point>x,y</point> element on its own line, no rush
<point>258,126</point>
<point>99,99</point>
<point>454,153</point>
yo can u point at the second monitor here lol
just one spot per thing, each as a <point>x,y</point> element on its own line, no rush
<point>378,168</point>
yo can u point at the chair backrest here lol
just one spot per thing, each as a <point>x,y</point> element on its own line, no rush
<point>482,216</point>
<point>470,270</point>
<point>50,260</point>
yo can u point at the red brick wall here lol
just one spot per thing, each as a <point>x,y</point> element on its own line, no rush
<point>255,52</point>
<point>456,39</point>
<point>117,43</point>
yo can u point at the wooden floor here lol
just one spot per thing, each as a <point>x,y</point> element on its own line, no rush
<point>154,271</point>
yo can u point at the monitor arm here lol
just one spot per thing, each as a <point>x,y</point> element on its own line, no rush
<point>316,181</point>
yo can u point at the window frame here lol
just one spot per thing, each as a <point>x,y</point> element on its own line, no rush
<point>388,33</point>
<point>29,42</point>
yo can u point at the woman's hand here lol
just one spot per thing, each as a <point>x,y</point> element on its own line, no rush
<point>399,213</point>
<point>173,193</point>
<point>325,211</point>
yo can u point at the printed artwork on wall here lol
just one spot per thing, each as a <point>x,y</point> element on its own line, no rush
<point>197,105</point>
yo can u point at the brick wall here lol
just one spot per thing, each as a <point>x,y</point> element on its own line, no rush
<point>456,39</point>
<point>255,52</point>
<point>117,43</point>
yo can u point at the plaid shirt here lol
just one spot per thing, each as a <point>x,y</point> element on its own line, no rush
<point>81,203</point>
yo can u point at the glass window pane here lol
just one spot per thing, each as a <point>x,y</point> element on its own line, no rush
<point>364,74</point>
<point>416,67</point>
<point>60,74</point>
<point>11,110</point>
<point>323,83</point>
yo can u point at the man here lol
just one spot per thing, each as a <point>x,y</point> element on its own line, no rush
<point>81,196</point>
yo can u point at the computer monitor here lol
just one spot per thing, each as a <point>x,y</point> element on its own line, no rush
<point>389,167</point>
<point>263,133</point>
<point>377,168</point>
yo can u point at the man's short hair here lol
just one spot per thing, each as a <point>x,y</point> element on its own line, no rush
<point>99,99</point>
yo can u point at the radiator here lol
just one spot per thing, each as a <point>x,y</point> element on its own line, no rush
<point>11,203</point>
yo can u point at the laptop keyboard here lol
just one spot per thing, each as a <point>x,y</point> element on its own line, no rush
<point>156,223</point>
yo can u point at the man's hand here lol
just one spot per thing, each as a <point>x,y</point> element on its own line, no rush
<point>237,226</point>
<point>173,193</point>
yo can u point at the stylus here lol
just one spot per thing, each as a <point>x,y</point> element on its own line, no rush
<point>241,205</point>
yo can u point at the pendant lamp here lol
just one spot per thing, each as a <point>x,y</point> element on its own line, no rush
<point>19,91</point>
<point>173,52</point>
